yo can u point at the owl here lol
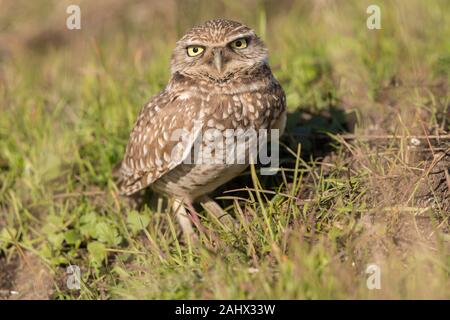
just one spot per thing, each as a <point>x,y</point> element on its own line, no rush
<point>221,80</point>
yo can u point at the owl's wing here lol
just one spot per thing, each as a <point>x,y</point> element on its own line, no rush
<point>161,139</point>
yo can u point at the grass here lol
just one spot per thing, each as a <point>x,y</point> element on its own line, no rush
<point>365,160</point>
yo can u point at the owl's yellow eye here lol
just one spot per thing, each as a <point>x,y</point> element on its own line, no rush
<point>239,44</point>
<point>193,51</point>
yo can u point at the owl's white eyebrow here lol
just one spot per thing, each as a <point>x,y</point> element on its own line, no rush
<point>237,28</point>
<point>204,44</point>
<point>240,36</point>
<point>194,43</point>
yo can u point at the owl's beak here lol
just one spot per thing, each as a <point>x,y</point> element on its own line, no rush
<point>218,63</point>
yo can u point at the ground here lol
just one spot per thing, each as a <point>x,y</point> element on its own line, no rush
<point>365,160</point>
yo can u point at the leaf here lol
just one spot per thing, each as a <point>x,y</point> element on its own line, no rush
<point>108,234</point>
<point>72,237</point>
<point>56,240</point>
<point>88,224</point>
<point>53,224</point>
<point>7,235</point>
<point>97,252</point>
<point>137,222</point>
<point>59,260</point>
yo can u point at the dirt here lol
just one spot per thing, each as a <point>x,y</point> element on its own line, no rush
<point>7,275</point>
<point>434,186</point>
<point>25,278</point>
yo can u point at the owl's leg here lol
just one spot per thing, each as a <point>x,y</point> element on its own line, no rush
<point>183,218</point>
<point>213,207</point>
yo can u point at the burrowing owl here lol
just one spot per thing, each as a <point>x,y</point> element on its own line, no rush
<point>220,78</point>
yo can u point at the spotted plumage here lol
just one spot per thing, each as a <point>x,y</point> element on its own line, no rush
<point>228,85</point>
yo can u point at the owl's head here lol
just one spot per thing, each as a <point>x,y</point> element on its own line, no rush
<point>218,50</point>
